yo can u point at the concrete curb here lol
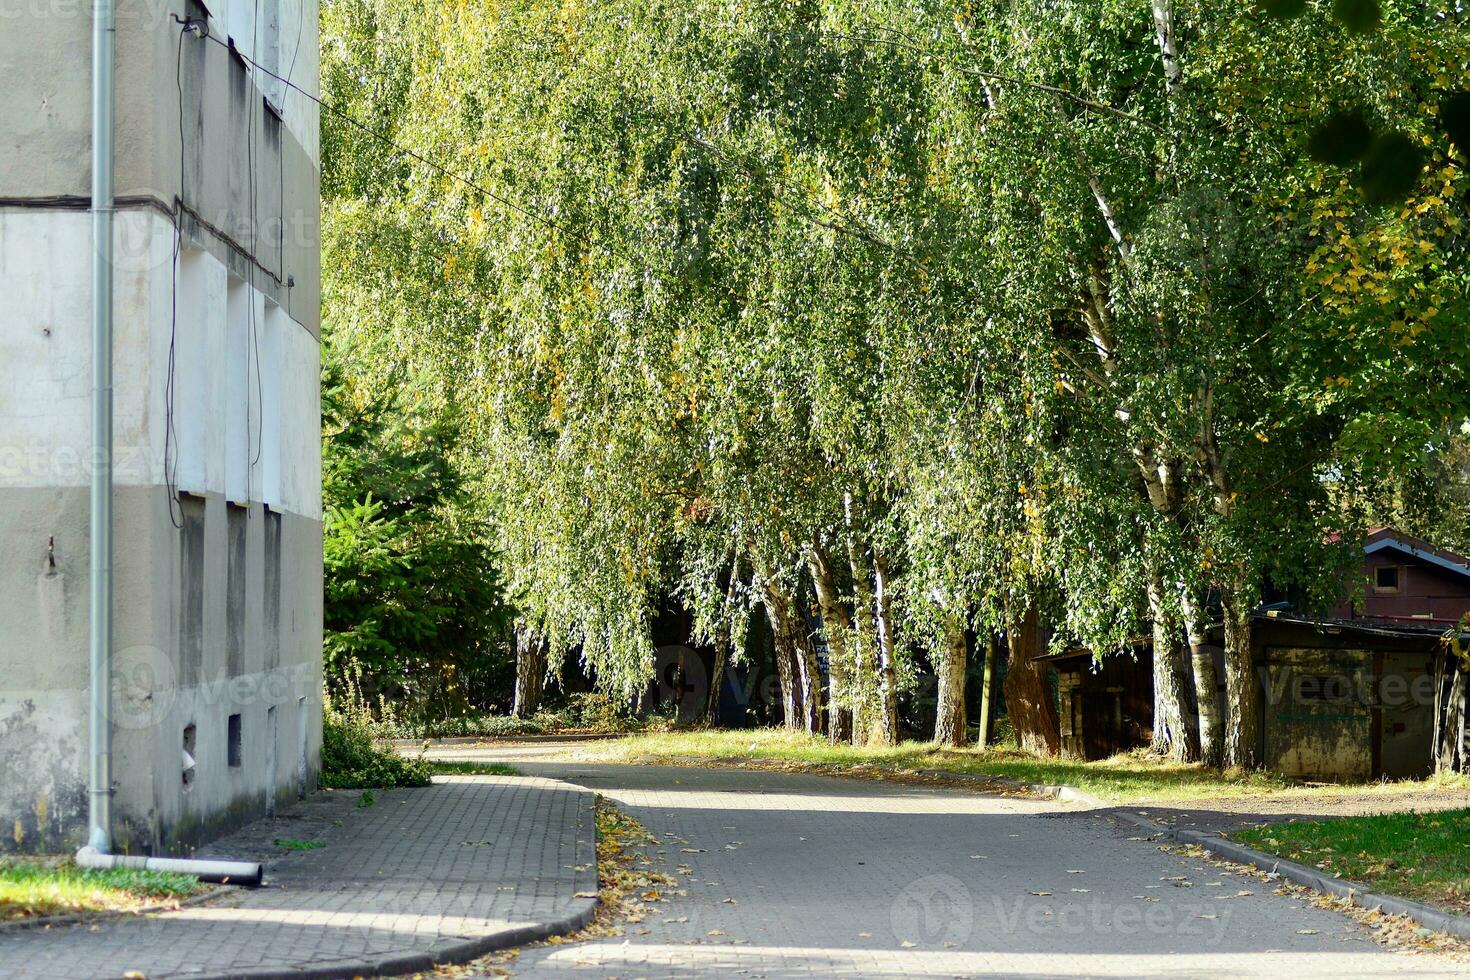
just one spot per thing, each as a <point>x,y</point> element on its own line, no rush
<point>577,915</point>
<point>1313,878</point>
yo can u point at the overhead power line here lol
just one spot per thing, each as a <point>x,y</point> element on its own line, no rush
<point>838,223</point>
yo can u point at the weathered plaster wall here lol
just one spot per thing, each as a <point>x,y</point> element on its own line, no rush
<point>43,655</point>
<point>238,163</point>
<point>44,432</point>
<point>229,153</point>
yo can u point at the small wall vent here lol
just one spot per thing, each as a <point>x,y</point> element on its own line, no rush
<point>190,741</point>
<point>233,741</point>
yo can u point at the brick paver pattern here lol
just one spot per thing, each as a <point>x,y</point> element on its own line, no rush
<point>796,875</point>
<point>416,870</point>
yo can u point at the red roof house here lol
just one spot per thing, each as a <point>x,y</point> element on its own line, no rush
<point>1409,581</point>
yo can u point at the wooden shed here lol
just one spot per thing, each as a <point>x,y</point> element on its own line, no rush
<point>1104,706</point>
<point>1340,699</point>
<point>1346,699</point>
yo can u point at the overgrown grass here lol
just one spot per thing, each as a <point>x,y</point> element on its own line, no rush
<point>1131,778</point>
<point>1424,856</point>
<point>29,889</point>
<point>473,769</point>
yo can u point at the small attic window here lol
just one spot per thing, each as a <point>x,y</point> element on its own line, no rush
<point>1386,578</point>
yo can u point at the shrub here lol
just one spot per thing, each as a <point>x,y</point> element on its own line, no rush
<point>414,611</point>
<point>350,760</point>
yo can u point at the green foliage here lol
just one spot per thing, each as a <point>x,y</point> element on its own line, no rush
<point>581,713</point>
<point>414,606</point>
<point>993,292</point>
<point>1416,855</point>
<point>350,760</point>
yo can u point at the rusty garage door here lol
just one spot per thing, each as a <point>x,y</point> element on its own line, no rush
<point>1319,718</point>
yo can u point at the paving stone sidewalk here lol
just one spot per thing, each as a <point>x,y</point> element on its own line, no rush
<point>469,864</point>
<point>785,875</point>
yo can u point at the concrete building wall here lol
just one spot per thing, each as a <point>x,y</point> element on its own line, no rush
<point>217,562</point>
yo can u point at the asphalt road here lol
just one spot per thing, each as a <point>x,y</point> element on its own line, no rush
<point>796,875</point>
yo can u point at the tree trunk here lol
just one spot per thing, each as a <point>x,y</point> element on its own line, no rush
<point>987,689</point>
<point>785,672</point>
<point>1163,12</point>
<point>1174,736</point>
<point>1029,705</point>
<point>795,660</point>
<point>530,673</point>
<point>722,648</point>
<point>951,726</point>
<point>1206,684</point>
<point>1449,712</point>
<point>836,627</point>
<point>808,670</point>
<point>887,671</point>
<point>711,715</point>
<point>1242,736</point>
<point>863,680</point>
<point>722,653</point>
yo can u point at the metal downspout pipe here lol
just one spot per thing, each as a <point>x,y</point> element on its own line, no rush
<point>99,810</point>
